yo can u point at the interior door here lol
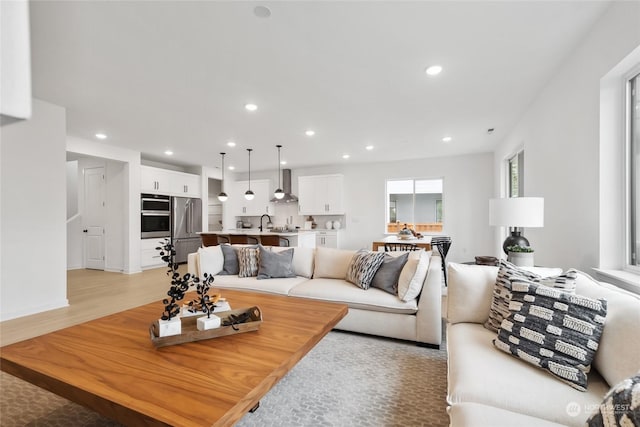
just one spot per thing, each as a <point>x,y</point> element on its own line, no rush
<point>94,218</point>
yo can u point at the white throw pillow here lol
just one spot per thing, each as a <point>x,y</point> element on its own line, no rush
<point>332,263</point>
<point>412,276</point>
<point>211,259</point>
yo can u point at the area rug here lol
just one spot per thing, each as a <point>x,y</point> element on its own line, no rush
<point>346,380</point>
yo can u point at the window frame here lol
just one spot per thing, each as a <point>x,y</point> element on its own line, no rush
<point>629,172</point>
<point>518,157</point>
<point>413,179</point>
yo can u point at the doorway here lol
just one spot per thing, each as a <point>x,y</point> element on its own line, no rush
<point>214,206</point>
<point>94,217</point>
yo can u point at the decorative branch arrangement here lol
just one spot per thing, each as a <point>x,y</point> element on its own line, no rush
<point>180,285</point>
<point>206,303</point>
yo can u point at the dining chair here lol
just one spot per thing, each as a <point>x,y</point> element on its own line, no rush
<point>392,247</point>
<point>442,244</point>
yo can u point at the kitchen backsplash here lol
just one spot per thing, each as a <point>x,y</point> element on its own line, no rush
<point>288,214</point>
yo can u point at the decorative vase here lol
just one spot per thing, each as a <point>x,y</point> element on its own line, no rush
<point>521,259</point>
<point>329,225</point>
<point>336,225</point>
<point>167,328</point>
<point>205,323</point>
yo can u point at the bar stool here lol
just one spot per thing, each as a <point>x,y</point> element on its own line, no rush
<point>253,240</point>
<point>223,238</point>
<point>238,239</point>
<point>270,240</point>
<point>442,244</point>
<point>209,240</point>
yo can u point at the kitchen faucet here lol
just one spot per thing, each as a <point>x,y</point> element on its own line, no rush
<point>261,218</point>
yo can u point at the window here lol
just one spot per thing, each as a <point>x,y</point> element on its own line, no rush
<point>633,153</point>
<point>416,203</point>
<point>516,175</point>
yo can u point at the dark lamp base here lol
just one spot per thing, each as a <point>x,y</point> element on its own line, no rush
<point>514,239</point>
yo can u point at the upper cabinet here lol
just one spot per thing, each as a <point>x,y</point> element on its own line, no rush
<point>259,205</point>
<point>320,195</point>
<point>154,180</point>
<point>163,181</point>
<point>185,184</point>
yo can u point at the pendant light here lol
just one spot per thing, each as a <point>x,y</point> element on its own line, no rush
<point>279,194</point>
<point>249,195</point>
<point>222,196</point>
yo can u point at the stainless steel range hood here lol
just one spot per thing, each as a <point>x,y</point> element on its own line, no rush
<point>286,187</point>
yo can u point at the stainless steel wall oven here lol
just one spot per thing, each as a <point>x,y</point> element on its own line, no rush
<point>155,216</point>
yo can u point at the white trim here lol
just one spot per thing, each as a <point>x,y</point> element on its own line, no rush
<point>626,81</point>
<point>622,279</point>
<point>613,193</point>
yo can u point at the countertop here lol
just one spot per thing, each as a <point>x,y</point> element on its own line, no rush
<point>257,232</point>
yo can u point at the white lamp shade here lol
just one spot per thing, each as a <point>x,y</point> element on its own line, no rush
<point>517,212</point>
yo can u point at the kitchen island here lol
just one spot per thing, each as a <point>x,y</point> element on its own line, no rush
<point>300,238</point>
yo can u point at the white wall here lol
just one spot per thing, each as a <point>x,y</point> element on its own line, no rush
<point>468,185</point>
<point>127,180</point>
<point>33,170</point>
<point>560,135</point>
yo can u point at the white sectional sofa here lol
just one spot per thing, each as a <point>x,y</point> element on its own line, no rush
<point>488,387</point>
<point>321,274</point>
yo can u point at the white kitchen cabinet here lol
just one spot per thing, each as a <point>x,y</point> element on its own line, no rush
<point>149,256</point>
<point>320,195</point>
<point>163,181</point>
<point>154,180</point>
<point>259,205</point>
<point>326,239</point>
<point>185,184</point>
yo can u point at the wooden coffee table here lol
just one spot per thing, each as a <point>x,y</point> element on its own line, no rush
<point>111,366</point>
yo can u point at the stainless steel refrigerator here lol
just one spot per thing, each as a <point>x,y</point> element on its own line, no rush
<point>186,223</point>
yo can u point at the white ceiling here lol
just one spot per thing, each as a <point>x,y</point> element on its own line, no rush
<point>176,75</point>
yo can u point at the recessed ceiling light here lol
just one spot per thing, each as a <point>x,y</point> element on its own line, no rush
<point>232,167</point>
<point>284,162</point>
<point>231,144</point>
<point>369,147</point>
<point>101,136</point>
<point>261,11</point>
<point>434,70</point>
<point>169,153</point>
<point>250,107</point>
<point>309,132</point>
<point>345,156</point>
<point>447,139</point>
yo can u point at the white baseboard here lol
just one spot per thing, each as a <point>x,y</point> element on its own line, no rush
<point>34,310</point>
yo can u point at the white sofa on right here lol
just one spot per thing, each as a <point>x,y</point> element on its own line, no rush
<point>488,387</point>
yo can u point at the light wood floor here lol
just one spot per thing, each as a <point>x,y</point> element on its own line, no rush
<point>92,294</point>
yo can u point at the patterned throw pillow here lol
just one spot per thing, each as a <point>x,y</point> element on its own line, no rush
<point>363,267</point>
<point>620,407</point>
<point>502,289</point>
<point>553,330</point>
<point>248,261</point>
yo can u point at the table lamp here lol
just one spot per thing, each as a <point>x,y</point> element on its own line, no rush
<point>515,213</point>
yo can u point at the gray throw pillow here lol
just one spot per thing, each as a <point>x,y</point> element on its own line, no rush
<point>386,277</point>
<point>230,265</point>
<point>275,264</point>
